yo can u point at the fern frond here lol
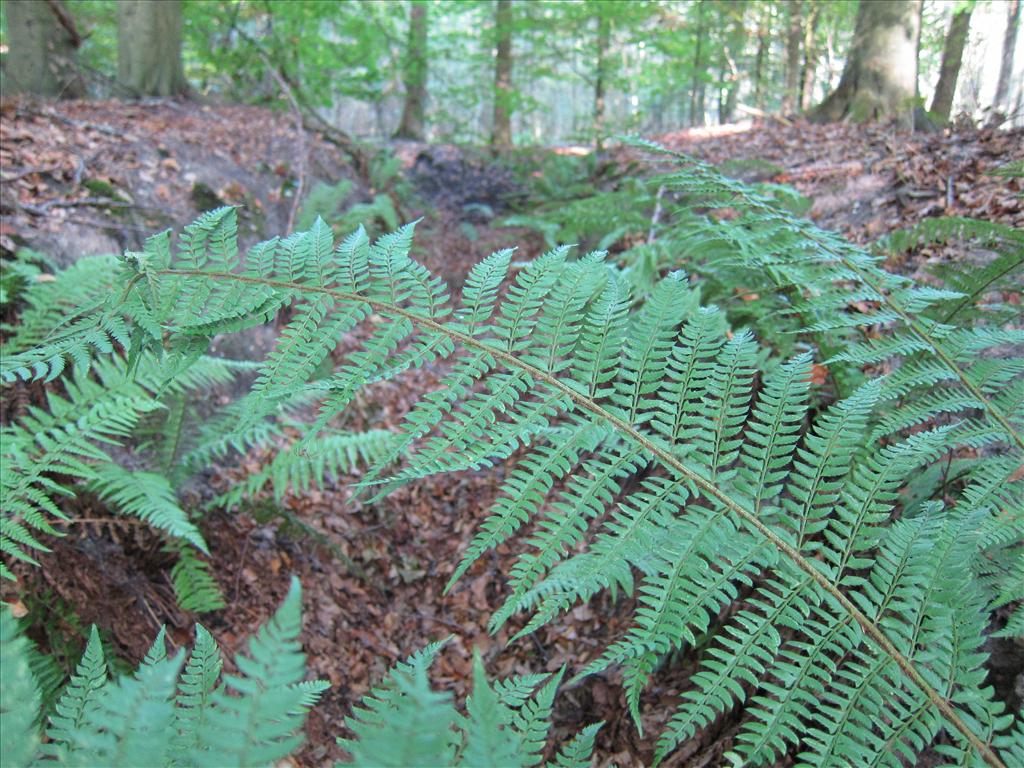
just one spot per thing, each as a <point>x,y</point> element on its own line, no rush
<point>404,722</point>
<point>741,487</point>
<point>80,695</point>
<point>147,496</point>
<point>259,722</point>
<point>19,695</point>
<point>195,588</point>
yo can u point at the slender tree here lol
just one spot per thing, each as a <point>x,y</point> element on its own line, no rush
<point>952,55</point>
<point>501,132</point>
<point>415,74</point>
<point>1002,99</point>
<point>43,41</point>
<point>697,86</point>
<point>764,37</point>
<point>604,34</point>
<point>879,81</point>
<point>810,60</point>
<point>149,47</point>
<point>736,41</point>
<point>794,36</point>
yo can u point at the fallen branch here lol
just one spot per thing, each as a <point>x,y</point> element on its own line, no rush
<point>87,202</point>
<point>748,110</point>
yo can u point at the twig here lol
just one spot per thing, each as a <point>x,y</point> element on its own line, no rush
<point>300,129</point>
<point>111,520</point>
<point>14,176</point>
<point>77,123</point>
<point>439,619</point>
<point>89,202</point>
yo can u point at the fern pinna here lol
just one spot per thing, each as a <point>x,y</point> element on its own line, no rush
<point>658,459</point>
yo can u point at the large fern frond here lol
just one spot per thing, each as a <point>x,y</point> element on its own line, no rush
<point>742,488</point>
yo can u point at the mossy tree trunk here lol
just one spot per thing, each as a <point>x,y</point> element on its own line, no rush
<point>501,131</point>
<point>149,47</point>
<point>415,75</point>
<point>879,81</point>
<point>43,41</point>
<point>952,56</point>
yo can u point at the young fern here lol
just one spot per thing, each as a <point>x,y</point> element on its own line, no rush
<point>743,487</point>
<point>170,711</point>
<point>404,722</point>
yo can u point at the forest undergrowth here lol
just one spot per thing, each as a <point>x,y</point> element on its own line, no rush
<point>374,572</point>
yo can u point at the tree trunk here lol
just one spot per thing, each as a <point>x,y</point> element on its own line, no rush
<point>697,86</point>
<point>43,40</point>
<point>879,81</point>
<point>810,64</point>
<point>1002,99</point>
<point>794,33</point>
<point>764,34</point>
<point>952,55</point>
<point>501,133</point>
<point>733,50</point>
<point>149,47</point>
<point>415,75</point>
<point>604,34</point>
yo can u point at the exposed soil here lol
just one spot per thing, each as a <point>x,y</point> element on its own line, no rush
<point>374,576</point>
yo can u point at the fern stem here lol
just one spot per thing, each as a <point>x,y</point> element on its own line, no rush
<point>666,458</point>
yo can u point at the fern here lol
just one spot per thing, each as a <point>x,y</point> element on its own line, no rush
<point>20,696</point>
<point>743,486</point>
<point>164,714</point>
<point>404,722</point>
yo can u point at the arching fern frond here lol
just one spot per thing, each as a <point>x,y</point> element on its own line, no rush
<point>742,487</point>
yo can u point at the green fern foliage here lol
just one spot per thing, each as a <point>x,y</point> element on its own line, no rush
<point>405,722</point>
<point>660,453</point>
<point>170,711</point>
<point>19,701</point>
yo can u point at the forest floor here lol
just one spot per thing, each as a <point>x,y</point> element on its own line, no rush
<point>93,177</point>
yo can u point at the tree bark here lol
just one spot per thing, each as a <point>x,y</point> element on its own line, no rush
<point>501,132</point>
<point>952,55</point>
<point>149,47</point>
<point>415,75</point>
<point>604,34</point>
<point>1002,98</point>
<point>879,80</point>
<point>794,35</point>
<point>43,42</point>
